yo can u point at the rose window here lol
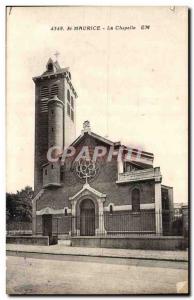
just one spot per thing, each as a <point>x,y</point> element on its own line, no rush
<point>86,169</point>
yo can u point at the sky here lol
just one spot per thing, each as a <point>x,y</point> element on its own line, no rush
<point>131,85</point>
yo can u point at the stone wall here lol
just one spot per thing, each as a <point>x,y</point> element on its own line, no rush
<point>32,240</point>
<point>146,243</point>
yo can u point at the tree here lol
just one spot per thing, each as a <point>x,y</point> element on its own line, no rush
<point>11,202</point>
<point>19,205</point>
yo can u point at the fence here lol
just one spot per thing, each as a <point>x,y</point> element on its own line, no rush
<point>19,227</point>
<point>117,223</point>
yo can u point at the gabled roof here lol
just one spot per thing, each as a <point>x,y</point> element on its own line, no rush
<point>87,187</point>
<point>56,68</point>
<point>54,63</point>
<point>146,157</point>
<point>95,136</point>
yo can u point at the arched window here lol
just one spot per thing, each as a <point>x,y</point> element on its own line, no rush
<point>72,103</point>
<point>54,90</point>
<point>111,209</point>
<point>50,67</point>
<point>65,211</point>
<point>72,115</point>
<point>68,96</point>
<point>68,109</point>
<point>136,200</point>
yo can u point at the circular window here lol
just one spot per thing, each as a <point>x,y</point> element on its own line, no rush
<point>86,169</point>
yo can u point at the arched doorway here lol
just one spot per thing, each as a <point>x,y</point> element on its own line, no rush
<point>87,217</point>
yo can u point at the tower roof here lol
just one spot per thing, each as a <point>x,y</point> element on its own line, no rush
<point>53,69</point>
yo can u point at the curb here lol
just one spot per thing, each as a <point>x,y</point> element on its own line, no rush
<point>95,255</point>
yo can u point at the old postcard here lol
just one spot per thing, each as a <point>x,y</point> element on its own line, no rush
<point>97,180</point>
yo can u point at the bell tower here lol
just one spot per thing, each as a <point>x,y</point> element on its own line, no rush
<point>55,116</point>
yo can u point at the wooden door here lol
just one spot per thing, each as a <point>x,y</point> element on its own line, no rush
<point>87,218</point>
<point>47,225</point>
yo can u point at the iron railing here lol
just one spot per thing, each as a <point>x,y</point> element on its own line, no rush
<point>14,227</point>
<point>115,223</point>
<point>118,224</point>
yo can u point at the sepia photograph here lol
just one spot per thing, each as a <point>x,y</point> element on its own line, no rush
<point>97,199</point>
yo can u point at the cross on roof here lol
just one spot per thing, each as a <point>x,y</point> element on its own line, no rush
<point>56,54</point>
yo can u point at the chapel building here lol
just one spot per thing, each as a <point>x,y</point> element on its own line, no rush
<point>84,197</point>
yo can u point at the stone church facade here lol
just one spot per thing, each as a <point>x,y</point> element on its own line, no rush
<point>82,196</point>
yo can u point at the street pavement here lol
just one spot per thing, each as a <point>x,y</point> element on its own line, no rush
<point>70,274</point>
